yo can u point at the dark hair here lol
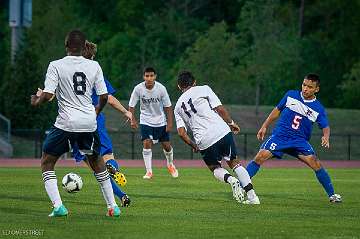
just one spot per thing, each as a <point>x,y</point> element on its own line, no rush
<point>75,41</point>
<point>313,77</point>
<point>149,69</point>
<point>185,79</point>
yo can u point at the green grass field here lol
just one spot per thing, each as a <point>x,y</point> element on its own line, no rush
<point>193,206</point>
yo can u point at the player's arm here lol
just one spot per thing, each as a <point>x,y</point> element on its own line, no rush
<point>224,114</point>
<point>185,137</point>
<point>115,103</point>
<point>41,97</point>
<point>169,118</point>
<point>133,122</point>
<point>325,139</point>
<point>275,113</point>
<point>102,102</point>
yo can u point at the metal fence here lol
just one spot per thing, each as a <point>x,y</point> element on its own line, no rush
<point>127,145</point>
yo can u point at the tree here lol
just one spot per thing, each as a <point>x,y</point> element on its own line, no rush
<point>350,88</point>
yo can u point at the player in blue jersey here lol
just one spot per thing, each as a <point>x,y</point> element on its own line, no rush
<point>106,150</point>
<point>298,110</point>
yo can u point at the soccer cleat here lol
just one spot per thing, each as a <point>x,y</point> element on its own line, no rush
<point>335,198</point>
<point>118,177</point>
<point>59,212</point>
<point>113,212</point>
<point>253,201</point>
<point>238,192</point>
<point>148,175</point>
<point>173,171</point>
<point>125,201</point>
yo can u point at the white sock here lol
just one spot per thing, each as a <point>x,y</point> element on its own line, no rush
<point>51,188</point>
<point>242,175</point>
<point>104,180</point>
<point>147,155</point>
<point>220,173</point>
<point>169,157</point>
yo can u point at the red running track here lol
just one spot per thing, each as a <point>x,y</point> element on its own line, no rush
<point>181,163</point>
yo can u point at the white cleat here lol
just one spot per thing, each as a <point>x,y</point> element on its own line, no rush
<point>148,175</point>
<point>238,192</point>
<point>254,201</point>
<point>335,198</point>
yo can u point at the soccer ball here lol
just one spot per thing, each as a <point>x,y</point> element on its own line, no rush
<point>72,183</point>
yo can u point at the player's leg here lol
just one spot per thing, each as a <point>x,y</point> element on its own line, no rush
<point>146,137</point>
<point>164,138</point>
<point>147,156</point>
<point>271,147</point>
<point>169,155</point>
<point>55,145</point>
<point>254,165</point>
<point>212,158</point>
<point>229,153</point>
<point>113,169</point>
<point>322,176</point>
<point>90,141</point>
<point>244,180</point>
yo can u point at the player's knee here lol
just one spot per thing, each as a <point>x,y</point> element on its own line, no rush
<point>314,163</point>
<point>262,156</point>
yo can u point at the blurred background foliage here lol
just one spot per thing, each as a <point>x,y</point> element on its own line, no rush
<point>249,51</point>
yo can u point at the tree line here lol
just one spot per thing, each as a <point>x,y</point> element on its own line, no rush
<point>248,51</point>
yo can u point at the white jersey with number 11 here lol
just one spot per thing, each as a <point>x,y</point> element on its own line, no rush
<point>194,110</point>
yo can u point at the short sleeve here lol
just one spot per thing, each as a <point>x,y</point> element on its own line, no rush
<point>322,119</point>
<point>281,105</point>
<point>134,98</point>
<point>214,101</point>
<point>179,121</point>
<point>109,87</point>
<point>165,98</point>
<point>100,86</point>
<point>51,79</point>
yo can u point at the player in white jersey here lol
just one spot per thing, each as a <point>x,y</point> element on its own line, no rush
<point>72,80</point>
<point>199,110</point>
<point>156,119</point>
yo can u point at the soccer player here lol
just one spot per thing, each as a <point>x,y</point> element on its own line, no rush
<point>72,79</point>
<point>155,125</point>
<point>199,110</point>
<point>106,150</point>
<point>297,111</point>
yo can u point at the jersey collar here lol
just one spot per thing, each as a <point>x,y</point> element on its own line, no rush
<point>306,101</point>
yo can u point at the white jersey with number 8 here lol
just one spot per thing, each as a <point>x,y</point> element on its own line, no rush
<point>72,79</point>
<point>194,111</point>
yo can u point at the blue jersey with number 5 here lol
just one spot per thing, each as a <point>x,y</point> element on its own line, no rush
<point>298,116</point>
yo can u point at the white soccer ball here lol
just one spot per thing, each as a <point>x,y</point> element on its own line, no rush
<point>72,183</point>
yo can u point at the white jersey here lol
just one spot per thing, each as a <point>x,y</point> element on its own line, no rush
<point>152,103</point>
<point>194,111</point>
<point>72,79</point>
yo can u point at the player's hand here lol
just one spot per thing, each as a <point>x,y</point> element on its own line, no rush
<point>129,116</point>
<point>261,134</point>
<point>133,124</point>
<point>325,142</point>
<point>39,92</point>
<point>235,128</point>
<point>168,128</point>
<point>34,99</point>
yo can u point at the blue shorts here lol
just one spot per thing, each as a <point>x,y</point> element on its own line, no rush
<point>223,149</point>
<point>154,133</point>
<point>58,142</point>
<point>105,141</point>
<point>294,147</point>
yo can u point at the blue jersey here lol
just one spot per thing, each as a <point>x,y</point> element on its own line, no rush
<point>298,116</point>
<point>106,145</point>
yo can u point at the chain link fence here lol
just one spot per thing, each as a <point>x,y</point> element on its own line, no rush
<point>128,145</point>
